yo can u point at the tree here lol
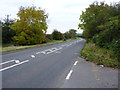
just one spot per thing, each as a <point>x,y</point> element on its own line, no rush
<point>101,23</point>
<point>7,32</point>
<point>72,33</point>
<point>56,35</point>
<point>48,37</point>
<point>31,26</point>
<point>95,15</point>
<point>67,35</point>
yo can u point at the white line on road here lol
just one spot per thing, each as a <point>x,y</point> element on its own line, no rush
<point>13,65</point>
<point>43,52</point>
<point>69,74</point>
<point>33,56</point>
<point>7,62</point>
<point>38,52</point>
<point>17,61</point>
<point>53,50</point>
<point>75,62</point>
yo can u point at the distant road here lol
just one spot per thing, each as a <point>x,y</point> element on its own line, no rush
<point>40,67</point>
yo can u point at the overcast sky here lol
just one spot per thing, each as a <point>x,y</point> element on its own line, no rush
<point>63,14</point>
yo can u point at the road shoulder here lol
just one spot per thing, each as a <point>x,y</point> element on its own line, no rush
<point>88,75</point>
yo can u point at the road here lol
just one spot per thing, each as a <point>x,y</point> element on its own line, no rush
<point>48,66</point>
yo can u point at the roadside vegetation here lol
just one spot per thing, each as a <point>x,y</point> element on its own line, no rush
<point>100,23</point>
<point>11,47</point>
<point>30,30</point>
<point>98,55</point>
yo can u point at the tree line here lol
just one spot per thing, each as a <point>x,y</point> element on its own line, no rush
<point>30,28</point>
<point>100,23</point>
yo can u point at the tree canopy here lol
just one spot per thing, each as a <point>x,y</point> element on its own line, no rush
<point>100,22</point>
<point>70,34</point>
<point>56,35</point>
<point>7,32</point>
<point>31,26</point>
<point>95,17</point>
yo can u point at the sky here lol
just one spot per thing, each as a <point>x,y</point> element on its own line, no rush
<point>63,14</point>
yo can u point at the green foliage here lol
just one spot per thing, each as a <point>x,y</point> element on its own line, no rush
<point>48,37</point>
<point>7,32</point>
<point>70,34</point>
<point>31,26</point>
<point>67,35</point>
<point>100,56</point>
<point>101,23</point>
<point>115,46</point>
<point>56,35</point>
<point>95,17</point>
<point>110,37</point>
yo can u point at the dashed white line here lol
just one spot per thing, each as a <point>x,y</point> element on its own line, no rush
<point>69,74</point>
<point>17,61</point>
<point>75,62</point>
<point>38,52</point>
<point>33,56</point>
<point>13,65</point>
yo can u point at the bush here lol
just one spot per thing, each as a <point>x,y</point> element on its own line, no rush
<point>100,56</point>
<point>103,39</point>
<point>115,46</point>
<point>56,35</point>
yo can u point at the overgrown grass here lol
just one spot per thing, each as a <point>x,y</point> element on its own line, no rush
<point>11,47</point>
<point>100,56</point>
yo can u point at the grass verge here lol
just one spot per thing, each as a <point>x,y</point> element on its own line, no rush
<point>100,56</point>
<point>11,47</point>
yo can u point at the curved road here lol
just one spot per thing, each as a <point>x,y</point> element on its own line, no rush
<point>53,66</point>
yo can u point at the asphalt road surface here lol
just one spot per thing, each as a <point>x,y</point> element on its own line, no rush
<point>54,66</point>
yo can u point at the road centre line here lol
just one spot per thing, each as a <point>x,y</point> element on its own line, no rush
<point>33,56</point>
<point>7,62</point>
<point>17,61</point>
<point>14,65</point>
<point>69,74</point>
<point>75,62</point>
<point>38,52</point>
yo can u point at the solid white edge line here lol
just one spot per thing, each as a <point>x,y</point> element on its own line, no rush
<point>7,62</point>
<point>69,74</point>
<point>75,62</point>
<point>14,65</point>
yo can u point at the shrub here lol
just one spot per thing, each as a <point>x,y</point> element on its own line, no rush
<point>115,46</point>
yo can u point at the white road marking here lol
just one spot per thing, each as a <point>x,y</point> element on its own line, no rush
<point>33,56</point>
<point>43,52</point>
<point>69,74</point>
<point>17,61</point>
<point>38,52</point>
<point>53,50</point>
<point>13,65</point>
<point>7,62</point>
<point>49,51</point>
<point>59,48</point>
<point>75,62</point>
